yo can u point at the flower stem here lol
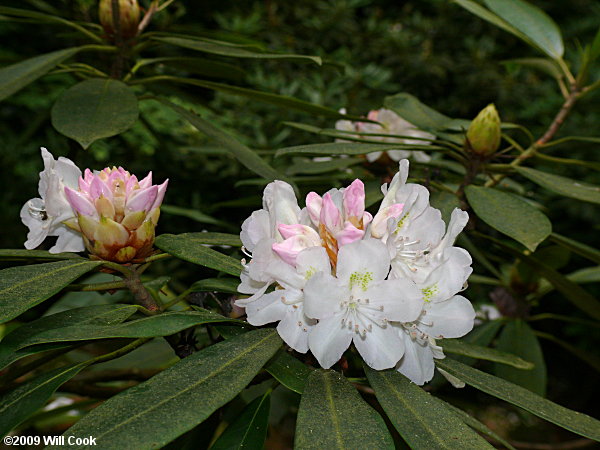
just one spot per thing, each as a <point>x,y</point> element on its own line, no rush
<point>141,294</point>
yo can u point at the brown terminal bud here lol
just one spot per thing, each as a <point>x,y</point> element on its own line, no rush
<point>129,18</point>
<point>483,135</point>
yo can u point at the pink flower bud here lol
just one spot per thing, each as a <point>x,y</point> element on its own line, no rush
<point>330,214</point>
<point>314,203</point>
<point>349,234</point>
<point>379,225</point>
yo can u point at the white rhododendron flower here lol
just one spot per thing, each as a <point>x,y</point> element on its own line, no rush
<point>45,216</point>
<point>391,124</point>
<point>333,275</point>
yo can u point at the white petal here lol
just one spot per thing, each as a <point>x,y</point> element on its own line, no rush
<point>255,228</point>
<point>373,156</point>
<point>400,300</point>
<point>328,341</point>
<point>295,328</point>
<point>68,240</point>
<point>323,295</point>
<point>381,348</point>
<point>313,260</point>
<point>280,201</point>
<point>458,220</point>
<point>397,182</point>
<point>266,309</point>
<point>417,363</point>
<point>38,229</point>
<point>368,256</point>
<point>449,277</point>
<point>451,319</point>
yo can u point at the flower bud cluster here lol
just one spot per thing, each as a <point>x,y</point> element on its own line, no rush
<point>331,274</point>
<point>109,212</point>
<point>129,18</point>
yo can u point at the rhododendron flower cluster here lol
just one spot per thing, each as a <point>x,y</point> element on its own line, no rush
<point>109,212</point>
<point>332,275</point>
<point>393,125</point>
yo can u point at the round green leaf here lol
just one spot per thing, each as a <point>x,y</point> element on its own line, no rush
<point>510,215</point>
<point>95,109</point>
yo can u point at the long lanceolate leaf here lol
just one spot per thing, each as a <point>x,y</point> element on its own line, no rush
<point>571,420</point>
<point>421,419</point>
<point>189,248</point>
<point>239,151</point>
<point>476,351</point>
<point>562,185</point>
<point>18,404</point>
<point>333,416</point>
<point>185,394</point>
<point>22,288</point>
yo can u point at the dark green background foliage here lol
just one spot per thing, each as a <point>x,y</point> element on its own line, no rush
<point>438,52</point>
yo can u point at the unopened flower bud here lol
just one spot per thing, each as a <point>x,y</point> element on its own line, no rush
<point>116,214</point>
<point>129,18</point>
<point>483,135</point>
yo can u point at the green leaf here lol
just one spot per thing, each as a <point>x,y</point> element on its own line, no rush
<point>571,420</point>
<point>19,75</point>
<point>228,285</point>
<point>24,287</point>
<point>477,425</point>
<point>476,351</point>
<point>544,65</point>
<point>163,324</point>
<point>421,419</point>
<point>532,22</point>
<point>332,415</point>
<point>577,247</point>
<point>587,357</point>
<point>510,215</point>
<point>97,315</point>
<point>189,213</point>
<point>486,14</point>
<point>238,150</point>
<point>289,371</point>
<point>422,116</point>
<point>482,335</point>
<point>284,101</point>
<point>518,338</point>
<point>249,429</point>
<point>341,148</point>
<point>562,185</point>
<point>95,109</point>
<point>234,51</point>
<point>199,66</point>
<point>190,247</point>
<point>305,166</point>
<point>210,238</point>
<point>20,403</point>
<point>9,254</point>
<point>190,391</point>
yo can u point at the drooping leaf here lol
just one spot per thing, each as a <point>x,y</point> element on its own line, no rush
<point>518,338</point>
<point>19,254</point>
<point>228,285</point>
<point>481,335</point>
<point>341,148</point>
<point>510,215</point>
<point>477,425</point>
<point>573,292</point>
<point>581,249</point>
<point>505,357</point>
<point>571,420</point>
<point>210,238</point>
<point>421,419</point>
<point>163,324</point>
<point>545,65</point>
<point>19,75</point>
<point>24,287</point>
<point>20,403</point>
<point>289,371</point>
<point>532,22</point>
<point>226,49</point>
<point>97,315</point>
<point>239,151</point>
<point>190,391</point>
<point>332,415</point>
<point>190,247</point>
<point>562,185</point>
<point>95,109</point>
<point>306,166</point>
<point>422,116</point>
<point>249,429</point>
